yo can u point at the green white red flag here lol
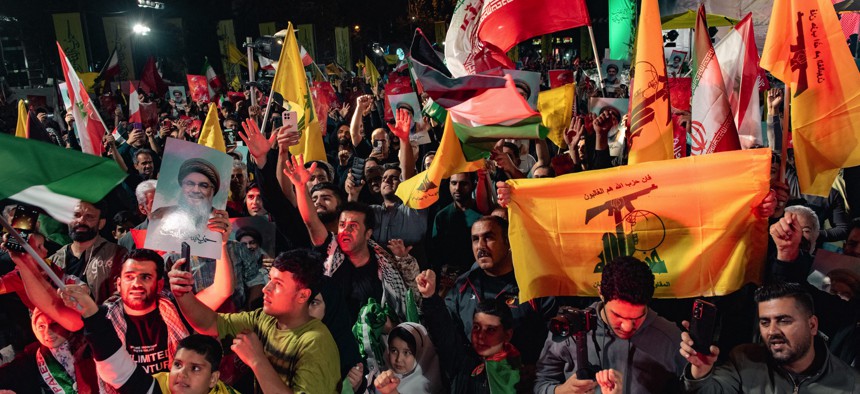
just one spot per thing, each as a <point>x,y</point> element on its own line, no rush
<point>504,23</point>
<point>713,126</point>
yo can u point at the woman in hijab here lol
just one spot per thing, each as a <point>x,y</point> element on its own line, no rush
<point>412,362</point>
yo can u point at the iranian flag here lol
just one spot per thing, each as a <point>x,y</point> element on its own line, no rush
<point>466,54</point>
<point>134,105</point>
<point>713,126</point>
<point>504,23</point>
<point>738,57</point>
<point>215,84</point>
<point>88,122</point>
<point>53,178</point>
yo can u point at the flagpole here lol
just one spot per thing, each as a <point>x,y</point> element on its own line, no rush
<point>250,51</point>
<point>31,252</point>
<point>784,148</point>
<point>268,111</point>
<point>596,60</point>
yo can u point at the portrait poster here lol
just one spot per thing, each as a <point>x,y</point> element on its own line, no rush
<point>527,82</point>
<point>618,106</point>
<point>258,224</point>
<point>177,94</point>
<point>193,181</point>
<point>409,101</point>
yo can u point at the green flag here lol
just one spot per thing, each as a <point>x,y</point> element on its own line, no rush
<point>53,178</point>
<point>621,27</point>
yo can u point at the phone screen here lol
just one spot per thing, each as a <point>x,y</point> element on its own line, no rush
<point>24,218</point>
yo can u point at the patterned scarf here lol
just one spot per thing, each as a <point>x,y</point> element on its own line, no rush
<point>57,368</point>
<point>392,272</point>
<point>176,330</point>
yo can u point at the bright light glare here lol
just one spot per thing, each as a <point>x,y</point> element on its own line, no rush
<point>140,29</point>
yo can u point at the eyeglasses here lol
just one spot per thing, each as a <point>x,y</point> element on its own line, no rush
<point>205,186</point>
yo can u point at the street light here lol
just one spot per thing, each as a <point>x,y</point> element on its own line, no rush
<point>150,4</point>
<point>141,29</point>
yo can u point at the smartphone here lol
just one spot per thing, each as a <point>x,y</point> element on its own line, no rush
<point>229,138</point>
<point>24,222</point>
<point>702,325</point>
<point>357,169</point>
<point>290,120</point>
<point>166,123</point>
<point>137,126</point>
<point>186,252</point>
<point>377,145</point>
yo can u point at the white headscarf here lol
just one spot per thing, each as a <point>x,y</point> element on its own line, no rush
<point>425,377</point>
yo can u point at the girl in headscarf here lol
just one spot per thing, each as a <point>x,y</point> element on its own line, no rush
<point>412,361</point>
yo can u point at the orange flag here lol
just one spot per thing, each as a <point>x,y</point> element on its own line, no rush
<point>805,48</point>
<point>698,234</point>
<point>650,120</point>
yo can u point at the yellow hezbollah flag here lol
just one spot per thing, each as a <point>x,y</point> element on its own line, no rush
<point>210,134</point>
<point>23,116</point>
<point>805,47</point>
<point>650,120</point>
<point>371,74</point>
<point>290,86</point>
<point>422,190</point>
<point>691,220</point>
<point>556,108</point>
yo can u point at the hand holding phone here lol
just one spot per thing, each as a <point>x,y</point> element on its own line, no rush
<point>357,170</point>
<point>289,119</point>
<point>702,326</point>
<point>186,252</point>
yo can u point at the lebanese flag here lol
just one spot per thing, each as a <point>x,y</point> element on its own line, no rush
<point>306,58</point>
<point>738,58</point>
<point>504,23</point>
<point>88,122</point>
<point>134,106</point>
<point>713,125</point>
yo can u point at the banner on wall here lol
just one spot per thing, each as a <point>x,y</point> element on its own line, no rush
<point>70,35</point>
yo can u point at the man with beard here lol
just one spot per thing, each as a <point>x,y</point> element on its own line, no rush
<point>354,261</point>
<point>451,250</point>
<point>492,276</point>
<point>328,201</point>
<point>195,364</point>
<point>199,181</point>
<point>793,358</point>
<point>394,220</point>
<point>90,257</point>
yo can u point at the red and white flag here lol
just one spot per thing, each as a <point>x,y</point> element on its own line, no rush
<point>504,23</point>
<point>738,58</point>
<point>713,126</point>
<point>465,54</point>
<point>88,122</point>
<point>306,58</point>
<point>134,106</point>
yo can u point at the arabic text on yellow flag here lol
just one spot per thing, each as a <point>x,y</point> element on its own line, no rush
<point>422,190</point>
<point>23,116</point>
<point>71,38</point>
<point>210,134</point>
<point>556,108</point>
<point>805,47</point>
<point>650,121</point>
<point>691,220</point>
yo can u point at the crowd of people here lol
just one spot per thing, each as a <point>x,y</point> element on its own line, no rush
<point>366,294</point>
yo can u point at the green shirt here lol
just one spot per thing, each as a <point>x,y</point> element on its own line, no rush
<point>305,357</point>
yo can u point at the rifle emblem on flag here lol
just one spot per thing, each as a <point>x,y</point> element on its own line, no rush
<point>637,231</point>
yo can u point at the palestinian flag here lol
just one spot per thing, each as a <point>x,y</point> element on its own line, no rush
<point>53,178</point>
<point>110,70</point>
<point>436,79</point>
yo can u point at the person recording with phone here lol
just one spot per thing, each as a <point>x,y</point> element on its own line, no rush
<point>629,339</point>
